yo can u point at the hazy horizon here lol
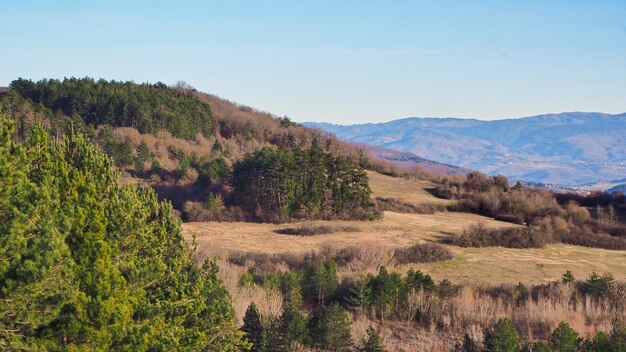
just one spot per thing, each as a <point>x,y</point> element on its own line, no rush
<point>347,63</point>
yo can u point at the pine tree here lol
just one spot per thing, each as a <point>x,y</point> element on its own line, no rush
<point>326,281</point>
<point>600,343</point>
<point>568,277</point>
<point>564,339</point>
<point>329,328</point>
<point>87,264</point>
<point>541,346</point>
<point>373,343</point>
<point>617,340</point>
<point>253,327</point>
<point>293,327</point>
<point>503,337</point>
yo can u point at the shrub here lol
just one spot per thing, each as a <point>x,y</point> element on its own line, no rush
<point>585,236</point>
<point>309,229</point>
<point>398,206</point>
<point>478,235</point>
<point>422,253</point>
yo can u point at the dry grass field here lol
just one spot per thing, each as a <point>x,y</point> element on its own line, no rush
<point>410,191</point>
<point>469,266</point>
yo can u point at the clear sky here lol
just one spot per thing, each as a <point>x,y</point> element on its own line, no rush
<point>337,61</point>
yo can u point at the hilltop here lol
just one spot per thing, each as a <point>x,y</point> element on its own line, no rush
<point>212,158</point>
<point>565,149</point>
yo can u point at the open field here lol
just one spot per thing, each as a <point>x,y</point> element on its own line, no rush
<point>410,191</point>
<point>470,265</point>
<point>394,230</point>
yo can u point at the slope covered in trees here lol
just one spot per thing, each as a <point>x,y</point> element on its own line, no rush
<point>86,264</point>
<point>186,145</point>
<point>146,107</point>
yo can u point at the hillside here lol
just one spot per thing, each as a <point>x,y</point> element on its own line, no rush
<point>202,152</point>
<point>565,149</point>
<point>308,231</point>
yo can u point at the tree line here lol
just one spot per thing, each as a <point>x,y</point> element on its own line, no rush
<point>147,107</point>
<point>280,184</point>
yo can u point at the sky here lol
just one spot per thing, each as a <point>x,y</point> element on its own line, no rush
<point>337,61</point>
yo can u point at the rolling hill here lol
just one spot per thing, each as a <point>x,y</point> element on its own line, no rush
<point>565,149</point>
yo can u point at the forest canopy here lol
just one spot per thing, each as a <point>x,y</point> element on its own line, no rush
<point>146,107</point>
<point>280,184</point>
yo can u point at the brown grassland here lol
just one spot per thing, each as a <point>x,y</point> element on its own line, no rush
<point>491,265</point>
<point>445,322</point>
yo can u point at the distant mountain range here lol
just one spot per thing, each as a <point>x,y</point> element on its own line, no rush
<point>566,149</point>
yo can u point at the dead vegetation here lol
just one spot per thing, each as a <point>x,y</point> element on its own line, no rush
<point>311,229</point>
<point>392,204</point>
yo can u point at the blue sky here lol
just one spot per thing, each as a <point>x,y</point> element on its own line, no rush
<point>337,61</point>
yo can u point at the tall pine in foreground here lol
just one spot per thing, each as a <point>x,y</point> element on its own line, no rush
<point>86,264</point>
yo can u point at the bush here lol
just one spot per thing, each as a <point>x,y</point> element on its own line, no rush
<point>585,236</point>
<point>422,253</point>
<point>309,229</point>
<point>398,206</point>
<point>478,235</point>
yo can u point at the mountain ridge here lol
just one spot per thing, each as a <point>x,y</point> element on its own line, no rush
<point>568,148</point>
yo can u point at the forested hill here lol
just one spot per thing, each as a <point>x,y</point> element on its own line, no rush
<point>190,146</point>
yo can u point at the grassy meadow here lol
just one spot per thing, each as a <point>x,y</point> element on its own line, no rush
<point>492,265</point>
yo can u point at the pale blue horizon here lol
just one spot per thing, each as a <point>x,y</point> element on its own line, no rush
<point>342,62</point>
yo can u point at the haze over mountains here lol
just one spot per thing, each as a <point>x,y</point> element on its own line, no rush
<point>566,149</point>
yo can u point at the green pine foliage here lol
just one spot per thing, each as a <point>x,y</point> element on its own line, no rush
<point>541,346</point>
<point>503,337</point>
<point>86,264</point>
<point>293,327</point>
<point>387,294</point>
<point>253,327</point>
<point>373,343</point>
<point>600,343</point>
<point>147,107</point>
<point>280,184</point>
<point>568,277</point>
<point>600,285</point>
<point>564,339</point>
<point>329,328</point>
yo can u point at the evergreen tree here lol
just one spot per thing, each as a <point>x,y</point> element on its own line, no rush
<point>446,289</point>
<point>326,281</point>
<point>600,285</point>
<point>373,343</point>
<point>564,339</point>
<point>293,327</point>
<point>541,346</point>
<point>568,277</point>
<point>149,108</point>
<point>503,337</point>
<point>253,327</point>
<point>600,343</point>
<point>86,264</point>
<point>291,288</point>
<point>617,340</point>
<point>329,328</point>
